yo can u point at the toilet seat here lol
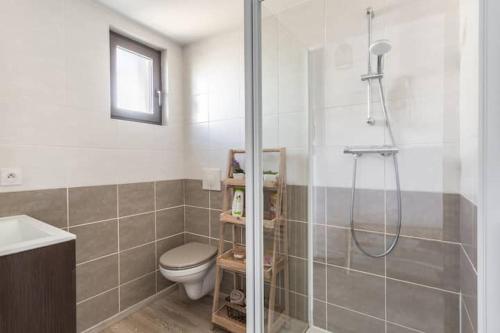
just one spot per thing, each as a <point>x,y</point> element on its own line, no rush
<point>188,256</point>
<point>193,265</point>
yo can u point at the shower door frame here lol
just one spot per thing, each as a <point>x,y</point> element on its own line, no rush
<point>253,145</point>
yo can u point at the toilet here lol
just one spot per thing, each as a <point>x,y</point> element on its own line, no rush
<point>193,265</point>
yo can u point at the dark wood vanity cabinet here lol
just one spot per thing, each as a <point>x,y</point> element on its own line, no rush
<point>37,290</point>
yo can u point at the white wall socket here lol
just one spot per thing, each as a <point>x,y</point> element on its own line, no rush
<point>211,179</point>
<point>11,177</point>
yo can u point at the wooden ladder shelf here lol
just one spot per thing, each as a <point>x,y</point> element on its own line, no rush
<point>277,251</point>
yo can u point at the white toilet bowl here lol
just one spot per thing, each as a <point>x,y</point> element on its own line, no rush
<point>193,265</point>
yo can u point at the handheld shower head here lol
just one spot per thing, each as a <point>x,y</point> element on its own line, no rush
<point>380,48</point>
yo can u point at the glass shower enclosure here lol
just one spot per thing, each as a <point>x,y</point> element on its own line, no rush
<point>372,106</point>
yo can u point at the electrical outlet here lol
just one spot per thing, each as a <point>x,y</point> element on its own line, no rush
<point>11,177</point>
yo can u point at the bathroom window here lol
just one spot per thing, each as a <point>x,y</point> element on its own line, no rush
<point>136,87</point>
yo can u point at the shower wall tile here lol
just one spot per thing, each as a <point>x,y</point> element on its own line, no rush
<point>468,286</point>
<point>342,320</point>
<point>298,275</point>
<point>319,314</point>
<point>392,328</point>
<point>369,213</point>
<point>297,239</point>
<point>341,250</point>
<point>422,308</point>
<point>319,205</point>
<point>354,290</point>
<point>319,243</point>
<point>46,205</point>
<point>297,202</point>
<point>319,281</point>
<point>136,198</point>
<point>169,193</point>
<point>426,215</point>
<point>91,204</point>
<point>298,306</point>
<point>431,263</point>
<point>466,324</point>
<point>468,228</point>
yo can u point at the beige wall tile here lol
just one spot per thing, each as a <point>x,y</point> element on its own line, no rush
<point>216,198</point>
<point>341,250</point>
<point>422,308</point>
<point>96,277</point>
<point>95,240</point>
<point>136,262</point>
<point>167,244</point>
<point>97,309</point>
<point>91,204</point>
<point>169,222</point>
<point>215,225</point>
<point>46,205</point>
<point>341,320</point>
<point>468,287</point>
<point>135,198</point>
<point>197,220</point>
<point>136,230</point>
<point>357,291</point>
<point>195,195</point>
<point>169,193</point>
<point>195,238</point>
<point>137,290</point>
<point>319,314</point>
<point>431,263</point>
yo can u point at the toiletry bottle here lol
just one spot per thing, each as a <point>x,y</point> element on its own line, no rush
<point>238,202</point>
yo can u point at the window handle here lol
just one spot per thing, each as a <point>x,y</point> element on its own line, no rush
<point>159,93</point>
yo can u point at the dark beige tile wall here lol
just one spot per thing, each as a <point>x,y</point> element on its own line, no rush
<point>468,264</point>
<point>121,232</point>
<point>123,229</point>
<point>417,287</point>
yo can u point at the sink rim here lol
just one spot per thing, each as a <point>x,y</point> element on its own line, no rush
<point>54,236</point>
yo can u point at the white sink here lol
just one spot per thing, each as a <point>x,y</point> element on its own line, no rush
<point>23,233</point>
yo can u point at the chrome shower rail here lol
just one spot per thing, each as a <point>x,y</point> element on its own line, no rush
<point>382,150</point>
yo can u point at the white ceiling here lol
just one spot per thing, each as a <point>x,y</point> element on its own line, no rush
<point>184,21</point>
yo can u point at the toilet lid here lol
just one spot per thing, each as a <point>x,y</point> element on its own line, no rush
<point>188,255</point>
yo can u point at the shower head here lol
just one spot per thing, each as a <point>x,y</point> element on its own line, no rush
<point>380,48</point>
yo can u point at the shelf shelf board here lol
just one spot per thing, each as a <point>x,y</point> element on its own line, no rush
<point>227,217</point>
<point>269,186</point>
<point>221,318</point>
<point>228,262</point>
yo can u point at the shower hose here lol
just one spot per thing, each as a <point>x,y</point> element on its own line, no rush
<point>398,189</point>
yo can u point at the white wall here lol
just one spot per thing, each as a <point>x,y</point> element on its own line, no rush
<point>215,99</point>
<point>54,99</point>
<point>214,95</point>
<point>421,83</point>
<point>469,98</point>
